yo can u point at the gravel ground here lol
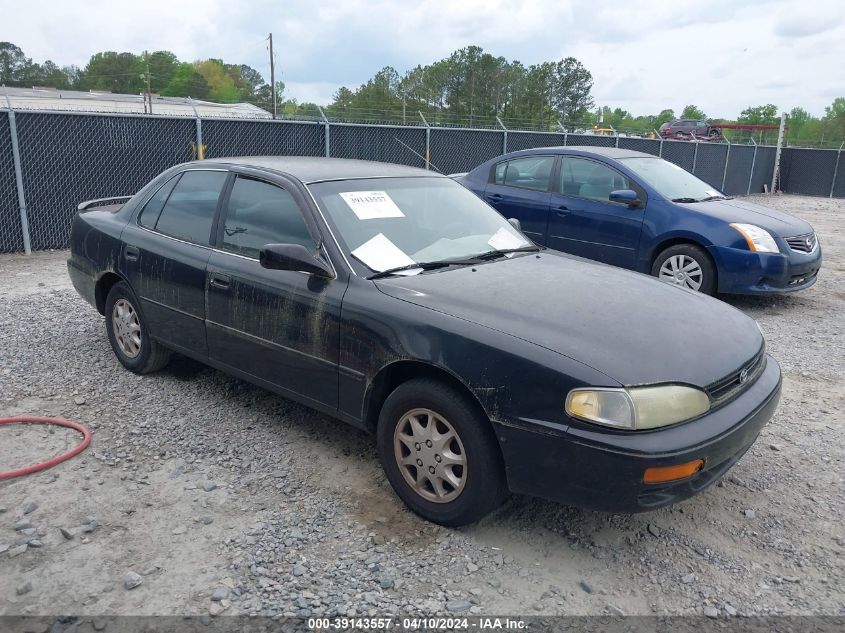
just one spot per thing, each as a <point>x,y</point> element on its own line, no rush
<point>217,496</point>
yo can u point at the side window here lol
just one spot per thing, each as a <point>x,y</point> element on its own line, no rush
<point>189,211</point>
<point>589,179</point>
<point>533,172</point>
<point>152,210</point>
<point>260,213</point>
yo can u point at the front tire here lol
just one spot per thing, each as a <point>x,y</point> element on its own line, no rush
<point>130,340</point>
<point>439,453</point>
<point>688,266</point>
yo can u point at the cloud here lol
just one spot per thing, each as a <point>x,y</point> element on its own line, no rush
<point>645,55</point>
<point>805,26</point>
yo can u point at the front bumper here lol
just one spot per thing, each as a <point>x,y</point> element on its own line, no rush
<point>741,271</point>
<point>603,469</point>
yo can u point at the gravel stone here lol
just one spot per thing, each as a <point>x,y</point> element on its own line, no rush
<point>23,524</point>
<point>221,593</point>
<point>131,580</point>
<point>17,551</point>
<point>458,606</point>
<point>711,612</point>
<point>29,506</point>
<point>24,588</point>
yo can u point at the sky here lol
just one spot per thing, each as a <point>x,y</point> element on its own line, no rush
<point>645,55</point>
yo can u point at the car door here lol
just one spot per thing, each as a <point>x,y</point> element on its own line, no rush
<point>164,255</point>
<point>583,221</point>
<point>279,326</point>
<point>520,189</point>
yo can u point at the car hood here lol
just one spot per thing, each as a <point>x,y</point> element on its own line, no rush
<point>631,327</point>
<point>737,210</point>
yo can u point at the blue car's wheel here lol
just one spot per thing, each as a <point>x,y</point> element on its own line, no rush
<point>686,265</point>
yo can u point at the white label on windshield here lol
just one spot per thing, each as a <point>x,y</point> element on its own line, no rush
<point>379,253</point>
<point>712,192</point>
<point>504,239</point>
<point>369,205</point>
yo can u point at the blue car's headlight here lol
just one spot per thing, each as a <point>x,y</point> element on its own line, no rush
<point>758,240</point>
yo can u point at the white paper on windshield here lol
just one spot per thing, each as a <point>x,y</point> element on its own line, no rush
<point>379,253</point>
<point>369,205</point>
<point>712,192</point>
<point>504,239</point>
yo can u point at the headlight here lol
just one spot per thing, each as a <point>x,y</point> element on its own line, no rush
<point>758,240</point>
<point>638,407</point>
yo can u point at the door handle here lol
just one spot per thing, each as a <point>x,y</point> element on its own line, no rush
<point>132,253</point>
<point>219,281</point>
<point>495,197</point>
<point>562,210</point>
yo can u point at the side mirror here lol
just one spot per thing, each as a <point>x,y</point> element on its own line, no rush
<point>515,223</point>
<point>292,257</point>
<point>625,196</point>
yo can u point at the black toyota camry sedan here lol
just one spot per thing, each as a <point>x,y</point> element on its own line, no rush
<point>396,300</point>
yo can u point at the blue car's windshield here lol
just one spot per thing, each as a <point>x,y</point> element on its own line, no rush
<point>386,223</point>
<point>671,181</point>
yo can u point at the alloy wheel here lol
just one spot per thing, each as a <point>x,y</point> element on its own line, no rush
<point>127,328</point>
<point>430,455</point>
<point>682,270</point>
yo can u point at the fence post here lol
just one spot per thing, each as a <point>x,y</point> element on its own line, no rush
<point>16,158</point>
<point>328,130</point>
<point>200,146</point>
<point>836,169</point>
<point>504,136</point>
<point>660,152</point>
<point>427,141</point>
<point>751,175</point>
<point>727,160</point>
<point>694,154</point>
<point>777,152</point>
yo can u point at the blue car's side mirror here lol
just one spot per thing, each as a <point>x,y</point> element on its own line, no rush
<point>625,196</point>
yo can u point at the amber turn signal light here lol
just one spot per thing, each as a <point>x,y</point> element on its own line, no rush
<point>662,474</point>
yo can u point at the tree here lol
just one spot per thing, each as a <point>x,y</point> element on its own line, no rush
<point>13,64</point>
<point>162,65</point>
<point>114,72</point>
<point>185,81</point>
<point>664,117</point>
<point>221,86</point>
<point>570,90</point>
<point>692,112</point>
<point>834,119</point>
<point>759,115</point>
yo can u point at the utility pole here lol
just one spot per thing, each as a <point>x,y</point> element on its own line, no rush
<point>148,97</point>
<point>272,75</point>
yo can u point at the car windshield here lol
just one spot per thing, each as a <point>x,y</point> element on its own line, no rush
<point>388,223</point>
<point>671,181</point>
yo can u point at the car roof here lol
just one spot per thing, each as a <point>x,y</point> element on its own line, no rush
<point>607,152</point>
<point>310,169</point>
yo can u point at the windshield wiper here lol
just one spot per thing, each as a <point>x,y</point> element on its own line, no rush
<point>496,254</point>
<point>685,200</point>
<point>720,197</point>
<point>423,265</point>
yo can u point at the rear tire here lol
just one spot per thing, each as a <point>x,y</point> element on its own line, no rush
<point>128,334</point>
<point>686,265</point>
<point>439,453</point>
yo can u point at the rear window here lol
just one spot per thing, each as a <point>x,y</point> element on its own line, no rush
<point>189,211</point>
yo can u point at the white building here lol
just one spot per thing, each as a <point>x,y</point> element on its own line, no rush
<point>94,101</point>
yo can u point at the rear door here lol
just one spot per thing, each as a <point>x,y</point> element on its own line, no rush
<point>280,326</point>
<point>520,189</point>
<point>164,256</point>
<point>584,222</point>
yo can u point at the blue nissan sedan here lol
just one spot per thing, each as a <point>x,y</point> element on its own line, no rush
<point>638,211</point>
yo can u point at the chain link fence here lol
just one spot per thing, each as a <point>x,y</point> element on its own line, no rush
<point>11,234</point>
<point>68,157</point>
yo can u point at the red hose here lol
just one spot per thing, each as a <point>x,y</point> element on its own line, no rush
<point>58,459</point>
